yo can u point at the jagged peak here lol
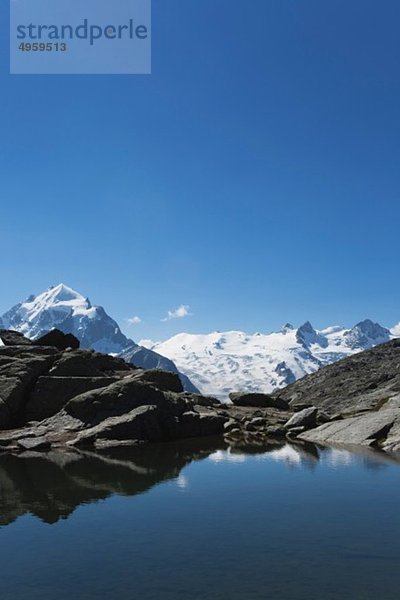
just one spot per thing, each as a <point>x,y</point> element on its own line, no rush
<point>367,330</point>
<point>307,327</point>
<point>307,336</point>
<point>367,324</point>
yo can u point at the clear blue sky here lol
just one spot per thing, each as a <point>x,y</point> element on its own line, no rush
<point>253,176</point>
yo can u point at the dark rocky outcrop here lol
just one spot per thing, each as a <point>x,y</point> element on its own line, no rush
<point>53,397</point>
<point>58,339</point>
<point>258,400</point>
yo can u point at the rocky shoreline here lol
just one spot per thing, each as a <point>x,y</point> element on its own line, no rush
<point>55,395</point>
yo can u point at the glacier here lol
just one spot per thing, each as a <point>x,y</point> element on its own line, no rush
<point>232,361</point>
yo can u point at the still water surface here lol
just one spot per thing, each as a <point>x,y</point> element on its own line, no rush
<point>200,521</point>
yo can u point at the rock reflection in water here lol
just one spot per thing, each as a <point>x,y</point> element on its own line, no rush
<point>52,485</point>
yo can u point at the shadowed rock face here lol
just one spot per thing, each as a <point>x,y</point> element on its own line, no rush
<point>37,381</point>
<point>58,339</point>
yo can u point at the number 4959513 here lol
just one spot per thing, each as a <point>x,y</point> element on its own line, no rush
<point>42,47</point>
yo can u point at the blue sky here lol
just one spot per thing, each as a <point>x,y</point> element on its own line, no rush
<point>254,176</point>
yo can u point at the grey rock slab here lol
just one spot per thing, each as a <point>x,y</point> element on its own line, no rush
<point>362,430</point>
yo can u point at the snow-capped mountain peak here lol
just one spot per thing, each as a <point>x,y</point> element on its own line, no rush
<point>62,307</point>
<point>367,334</point>
<point>60,297</point>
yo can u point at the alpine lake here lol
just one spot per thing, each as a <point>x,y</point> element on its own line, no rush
<point>200,520</point>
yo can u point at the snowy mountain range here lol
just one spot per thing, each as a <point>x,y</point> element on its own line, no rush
<point>216,363</point>
<point>63,308</point>
<point>219,363</point>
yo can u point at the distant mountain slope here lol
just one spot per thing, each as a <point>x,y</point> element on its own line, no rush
<point>219,363</point>
<point>64,308</point>
<point>363,381</point>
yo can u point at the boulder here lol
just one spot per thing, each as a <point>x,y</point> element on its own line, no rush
<point>258,400</point>
<point>306,418</point>
<point>119,398</point>
<point>13,338</point>
<point>58,339</point>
